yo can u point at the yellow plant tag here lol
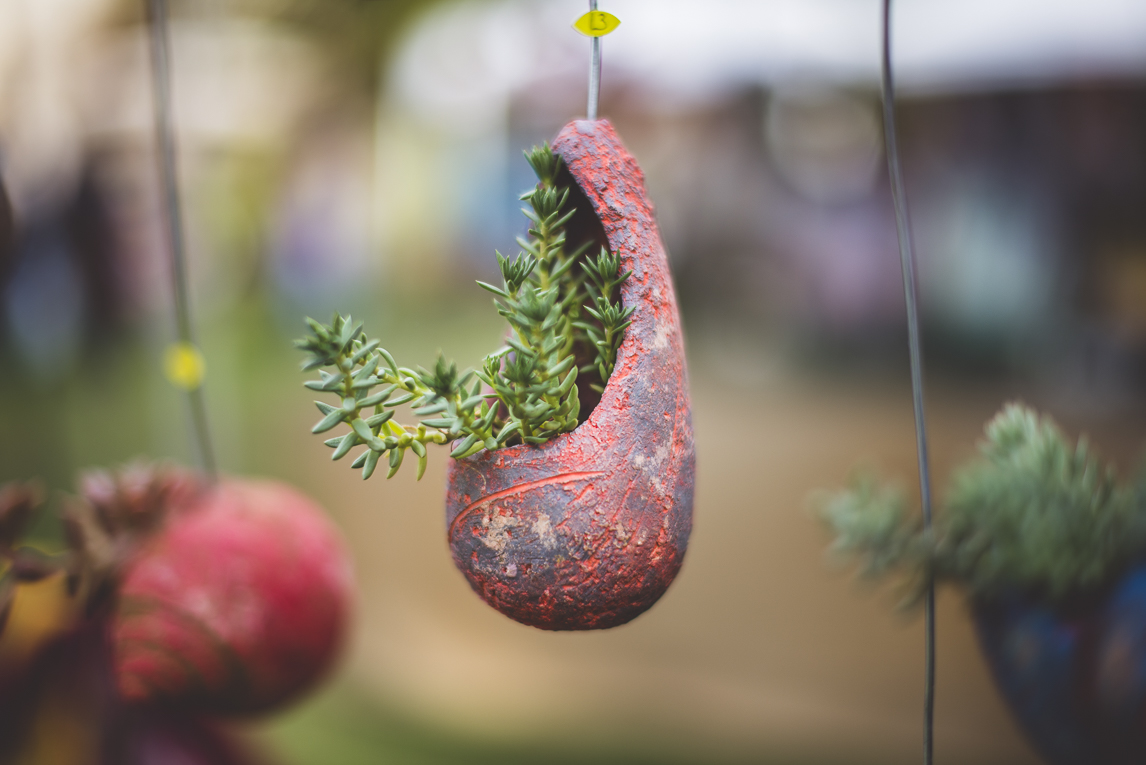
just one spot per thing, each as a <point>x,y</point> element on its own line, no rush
<point>184,366</point>
<point>596,23</point>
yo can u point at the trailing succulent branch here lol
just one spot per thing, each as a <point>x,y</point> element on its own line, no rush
<point>525,392</point>
<point>1033,513</point>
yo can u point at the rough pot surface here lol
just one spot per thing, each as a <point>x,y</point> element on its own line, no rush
<point>588,530</point>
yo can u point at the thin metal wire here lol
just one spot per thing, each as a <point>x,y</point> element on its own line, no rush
<point>594,72</point>
<point>165,137</point>
<point>907,261</point>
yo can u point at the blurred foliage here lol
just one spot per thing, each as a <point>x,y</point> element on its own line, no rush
<point>343,726</point>
<point>872,523</point>
<point>1033,513</point>
<point>356,37</point>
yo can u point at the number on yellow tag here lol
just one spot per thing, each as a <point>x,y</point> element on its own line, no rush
<point>596,23</point>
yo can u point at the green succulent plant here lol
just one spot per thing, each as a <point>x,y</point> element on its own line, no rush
<point>525,392</point>
<point>1033,513</point>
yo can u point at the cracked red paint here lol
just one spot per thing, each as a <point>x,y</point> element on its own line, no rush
<point>563,478</point>
<point>543,549</point>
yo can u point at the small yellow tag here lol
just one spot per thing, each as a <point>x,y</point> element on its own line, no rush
<point>184,366</point>
<point>596,23</point>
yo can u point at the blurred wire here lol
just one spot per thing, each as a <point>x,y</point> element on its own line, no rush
<point>165,134</point>
<point>907,260</point>
<point>594,73</point>
<point>7,232</point>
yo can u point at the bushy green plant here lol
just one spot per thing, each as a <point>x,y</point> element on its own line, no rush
<point>1032,513</point>
<point>525,392</point>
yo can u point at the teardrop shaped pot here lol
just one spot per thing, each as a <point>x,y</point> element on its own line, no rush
<point>588,530</point>
<point>1074,674</point>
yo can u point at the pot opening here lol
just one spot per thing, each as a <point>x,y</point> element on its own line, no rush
<point>583,227</point>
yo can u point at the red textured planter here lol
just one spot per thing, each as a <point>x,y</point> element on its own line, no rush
<point>239,605</point>
<point>588,530</point>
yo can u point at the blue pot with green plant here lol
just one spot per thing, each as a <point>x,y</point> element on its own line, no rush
<point>1074,672</point>
<point>1050,550</point>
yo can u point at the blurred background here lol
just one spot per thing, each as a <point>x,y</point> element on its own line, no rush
<point>364,156</point>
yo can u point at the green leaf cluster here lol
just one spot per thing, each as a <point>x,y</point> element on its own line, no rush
<point>525,392</point>
<point>1034,513</point>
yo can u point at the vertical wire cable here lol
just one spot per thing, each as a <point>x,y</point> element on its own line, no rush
<point>594,72</point>
<point>907,262</point>
<point>165,137</point>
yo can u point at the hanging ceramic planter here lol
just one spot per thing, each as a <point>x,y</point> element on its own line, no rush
<point>570,495</point>
<point>238,605</point>
<point>1073,674</point>
<point>588,530</point>
<point>1048,547</point>
<point>569,503</point>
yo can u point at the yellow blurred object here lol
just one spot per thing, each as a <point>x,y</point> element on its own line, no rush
<point>63,732</point>
<point>184,366</point>
<point>596,23</point>
<point>40,611</point>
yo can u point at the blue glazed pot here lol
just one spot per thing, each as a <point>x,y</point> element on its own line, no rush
<point>1074,674</point>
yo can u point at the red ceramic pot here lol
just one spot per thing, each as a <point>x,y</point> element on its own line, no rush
<point>238,605</point>
<point>588,530</point>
